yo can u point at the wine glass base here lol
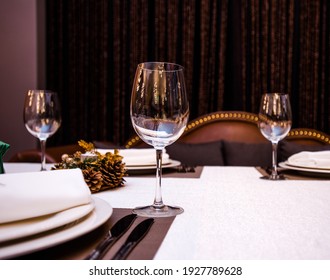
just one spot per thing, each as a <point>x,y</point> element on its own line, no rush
<point>154,212</point>
<point>277,177</point>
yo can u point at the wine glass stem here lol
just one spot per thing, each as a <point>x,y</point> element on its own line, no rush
<point>158,202</point>
<point>43,154</point>
<point>274,159</point>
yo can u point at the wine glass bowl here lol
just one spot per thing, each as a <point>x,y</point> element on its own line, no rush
<point>159,113</point>
<point>42,117</point>
<point>273,130</point>
<point>275,120</point>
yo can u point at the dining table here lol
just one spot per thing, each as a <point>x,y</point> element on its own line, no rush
<point>230,213</point>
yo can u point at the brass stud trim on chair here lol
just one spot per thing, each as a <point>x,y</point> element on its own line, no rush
<point>234,115</point>
<point>209,118</point>
<point>309,133</point>
<point>244,116</point>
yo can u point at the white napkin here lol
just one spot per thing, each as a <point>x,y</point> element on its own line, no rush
<point>311,159</point>
<point>138,157</point>
<point>33,194</point>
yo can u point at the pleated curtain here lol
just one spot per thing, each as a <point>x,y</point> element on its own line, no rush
<point>232,52</point>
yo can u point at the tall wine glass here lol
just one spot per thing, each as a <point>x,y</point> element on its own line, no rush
<point>42,117</point>
<point>275,119</point>
<point>159,114</point>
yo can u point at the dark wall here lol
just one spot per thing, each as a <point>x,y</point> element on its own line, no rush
<point>18,70</point>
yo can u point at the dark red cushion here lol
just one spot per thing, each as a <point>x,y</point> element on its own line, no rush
<point>201,154</point>
<point>289,148</point>
<point>246,154</point>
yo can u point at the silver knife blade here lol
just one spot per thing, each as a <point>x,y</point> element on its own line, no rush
<point>133,239</point>
<point>118,229</point>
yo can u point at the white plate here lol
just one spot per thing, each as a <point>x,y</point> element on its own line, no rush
<point>310,160</point>
<point>171,163</point>
<point>151,168</point>
<point>19,229</point>
<point>139,157</point>
<point>97,217</point>
<point>304,169</point>
<point>147,163</point>
<point>308,166</point>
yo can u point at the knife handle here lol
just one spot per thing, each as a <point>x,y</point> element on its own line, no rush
<point>101,249</point>
<point>137,234</point>
<point>124,251</point>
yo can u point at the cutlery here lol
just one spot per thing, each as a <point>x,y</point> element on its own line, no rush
<point>133,239</point>
<point>118,229</point>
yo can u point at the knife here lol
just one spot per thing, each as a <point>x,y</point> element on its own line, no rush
<point>133,239</point>
<point>118,229</point>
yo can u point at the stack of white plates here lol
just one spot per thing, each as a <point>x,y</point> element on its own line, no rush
<point>28,236</point>
<point>313,162</point>
<point>142,159</point>
<point>43,209</point>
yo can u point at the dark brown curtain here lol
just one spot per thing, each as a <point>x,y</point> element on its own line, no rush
<point>232,51</point>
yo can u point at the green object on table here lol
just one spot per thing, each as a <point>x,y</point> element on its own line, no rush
<point>3,149</point>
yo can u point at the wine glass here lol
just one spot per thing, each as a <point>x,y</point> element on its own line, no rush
<point>159,113</point>
<point>42,117</point>
<point>275,121</point>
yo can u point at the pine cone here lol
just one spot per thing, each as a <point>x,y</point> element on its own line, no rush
<point>101,171</point>
<point>93,178</point>
<point>113,173</point>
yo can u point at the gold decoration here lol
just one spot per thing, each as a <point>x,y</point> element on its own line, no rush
<point>101,171</point>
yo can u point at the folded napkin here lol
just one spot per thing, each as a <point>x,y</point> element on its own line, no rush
<point>319,159</point>
<point>33,194</point>
<point>3,149</point>
<point>138,157</point>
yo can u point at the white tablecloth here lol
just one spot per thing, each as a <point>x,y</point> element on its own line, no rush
<point>232,214</point>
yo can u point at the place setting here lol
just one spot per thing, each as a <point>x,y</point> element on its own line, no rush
<point>43,209</point>
<point>143,160</point>
<point>53,215</point>
<point>275,120</point>
<point>311,164</point>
